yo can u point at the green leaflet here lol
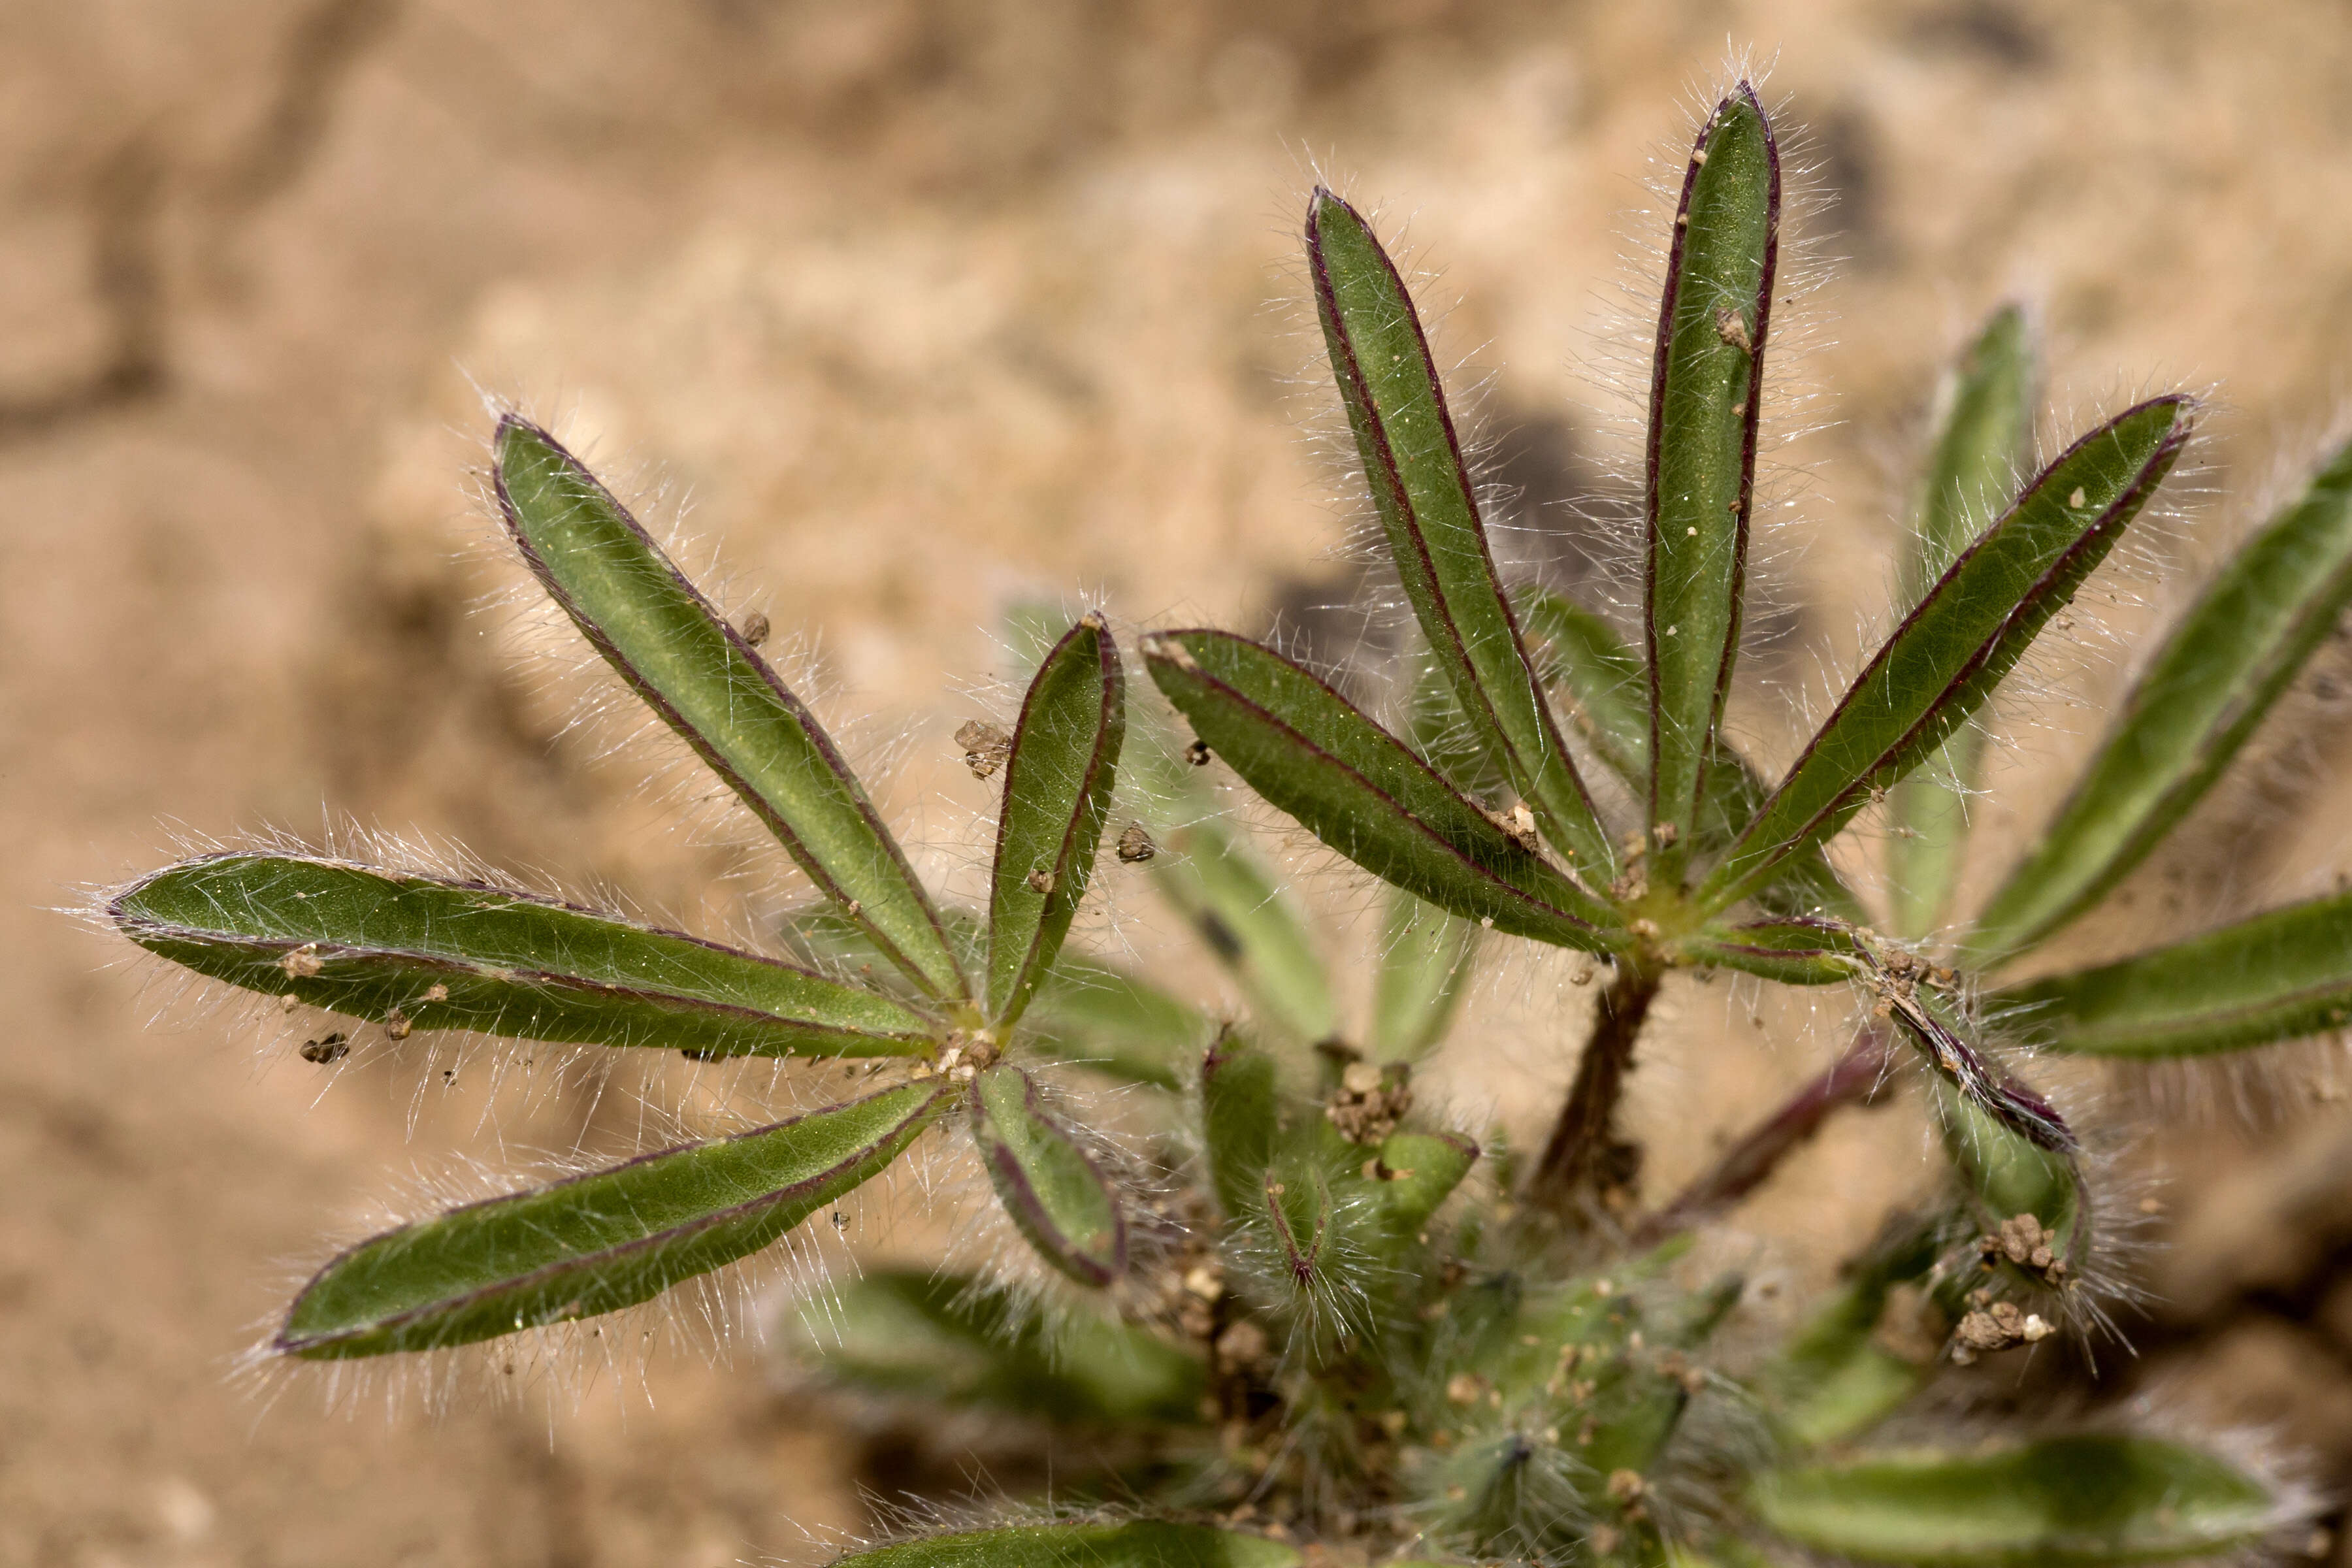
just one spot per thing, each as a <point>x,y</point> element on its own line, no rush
<point>1795,952</point>
<point>1428,507</point>
<point>1250,924</point>
<point>2086,1500</point>
<point>2229,660</point>
<point>674,650</point>
<point>1984,421</point>
<point>1705,392</point>
<point>425,952</point>
<point>1057,785</point>
<point>1955,646</point>
<point>1139,1543</point>
<point>1303,747</point>
<point>1094,1016</point>
<point>1599,682</point>
<point>2276,976</point>
<point>952,1340</point>
<point>1049,1185</point>
<point>596,1243</point>
<point>1241,1109</point>
<point>1425,959</point>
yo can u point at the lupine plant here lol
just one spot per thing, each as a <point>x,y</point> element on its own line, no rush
<point>1301,1313</point>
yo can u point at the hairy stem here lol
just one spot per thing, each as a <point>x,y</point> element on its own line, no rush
<point>1584,1158</point>
<point>1855,1079</point>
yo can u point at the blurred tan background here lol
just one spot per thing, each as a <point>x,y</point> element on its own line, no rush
<point>927,308</point>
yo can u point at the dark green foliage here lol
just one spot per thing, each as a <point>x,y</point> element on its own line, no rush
<point>1273,1294</point>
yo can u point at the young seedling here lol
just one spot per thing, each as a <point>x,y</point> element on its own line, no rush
<point>1334,1324</point>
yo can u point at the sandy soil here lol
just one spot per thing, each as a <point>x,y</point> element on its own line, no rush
<point>931,310</point>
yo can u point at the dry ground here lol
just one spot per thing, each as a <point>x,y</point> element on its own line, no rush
<point>932,308</point>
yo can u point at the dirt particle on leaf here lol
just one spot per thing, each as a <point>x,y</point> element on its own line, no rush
<point>1732,328</point>
<point>1197,753</point>
<point>303,963</point>
<point>755,629</point>
<point>1369,1101</point>
<point>437,992</point>
<point>1041,882</point>
<point>1135,845</point>
<point>396,1024</point>
<point>985,746</point>
<point>332,1047</point>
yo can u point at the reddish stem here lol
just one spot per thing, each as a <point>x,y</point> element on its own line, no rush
<point>1855,1079</point>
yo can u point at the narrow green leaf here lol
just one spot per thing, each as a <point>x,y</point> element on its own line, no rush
<point>694,670</point>
<point>1794,952</point>
<point>1303,747</point>
<point>1094,1016</point>
<point>596,1243</point>
<point>1141,1544</point>
<point>952,1340</point>
<point>1245,919</point>
<point>2211,683</point>
<point>2277,977</point>
<point>1706,388</point>
<point>2086,1500</point>
<point>1957,645</point>
<point>1428,507</point>
<point>1983,423</point>
<point>1242,1114</point>
<point>1057,787</point>
<point>1425,960</point>
<point>1051,1187</point>
<point>1599,682</point>
<point>430,953</point>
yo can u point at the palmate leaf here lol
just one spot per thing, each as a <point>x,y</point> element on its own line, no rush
<point>1057,787</point>
<point>434,953</point>
<point>674,650</point>
<point>2274,977</point>
<point>1985,418</point>
<point>1308,752</point>
<point>1138,1543</point>
<point>2086,1500</point>
<point>2211,683</point>
<point>1050,1186</point>
<point>1706,391</point>
<point>1428,508</point>
<point>597,1243</point>
<point>1950,652</point>
<point>944,1338</point>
